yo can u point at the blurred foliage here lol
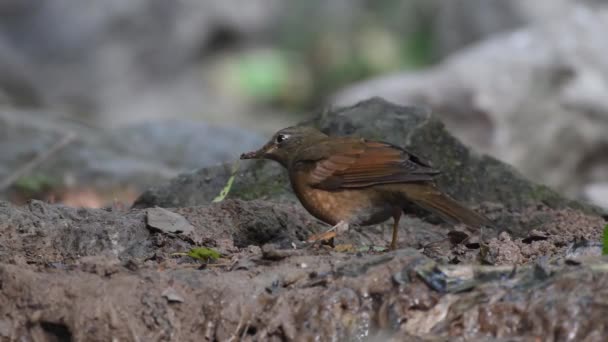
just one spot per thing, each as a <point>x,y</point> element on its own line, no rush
<point>263,75</point>
<point>311,54</point>
<point>266,75</point>
<point>35,184</point>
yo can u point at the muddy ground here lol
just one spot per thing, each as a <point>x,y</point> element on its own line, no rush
<point>98,275</point>
<point>75,274</point>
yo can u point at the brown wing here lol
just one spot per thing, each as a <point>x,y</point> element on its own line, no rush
<point>356,163</point>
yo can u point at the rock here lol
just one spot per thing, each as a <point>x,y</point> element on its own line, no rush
<point>172,295</point>
<point>584,249</point>
<point>80,60</point>
<point>460,23</point>
<point>466,175</point>
<point>534,98</point>
<point>597,193</point>
<point>166,221</point>
<point>262,180</point>
<point>463,22</point>
<point>71,56</point>
<point>17,81</point>
<point>135,155</point>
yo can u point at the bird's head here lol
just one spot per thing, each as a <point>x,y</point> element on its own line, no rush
<point>285,143</point>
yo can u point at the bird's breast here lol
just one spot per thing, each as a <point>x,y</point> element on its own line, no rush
<point>355,206</point>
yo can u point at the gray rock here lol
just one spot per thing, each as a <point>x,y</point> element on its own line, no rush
<point>73,55</point>
<point>534,98</point>
<point>17,81</point>
<point>597,193</point>
<point>459,23</point>
<point>136,155</point>
<point>166,221</point>
<point>88,53</point>
<point>172,295</point>
<point>462,22</point>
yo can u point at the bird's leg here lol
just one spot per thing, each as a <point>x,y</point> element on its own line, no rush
<point>396,218</point>
<point>339,228</point>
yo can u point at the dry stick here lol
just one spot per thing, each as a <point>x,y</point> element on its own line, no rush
<point>39,159</point>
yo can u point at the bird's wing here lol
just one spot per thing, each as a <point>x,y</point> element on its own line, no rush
<point>357,163</point>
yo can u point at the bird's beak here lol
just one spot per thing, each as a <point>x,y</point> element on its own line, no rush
<point>251,155</point>
<point>261,153</point>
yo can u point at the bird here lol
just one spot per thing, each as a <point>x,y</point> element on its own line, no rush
<point>349,181</point>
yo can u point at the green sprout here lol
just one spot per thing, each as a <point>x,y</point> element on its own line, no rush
<point>226,189</point>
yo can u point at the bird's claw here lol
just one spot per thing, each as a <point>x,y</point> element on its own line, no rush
<point>331,233</point>
<point>325,236</point>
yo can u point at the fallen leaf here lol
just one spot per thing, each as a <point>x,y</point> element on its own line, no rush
<point>346,248</point>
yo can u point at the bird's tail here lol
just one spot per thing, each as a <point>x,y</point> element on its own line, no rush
<point>432,199</point>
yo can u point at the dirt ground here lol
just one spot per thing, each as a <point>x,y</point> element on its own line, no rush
<point>118,274</point>
<point>70,274</point>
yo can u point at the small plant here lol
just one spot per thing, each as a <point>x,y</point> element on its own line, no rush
<point>226,189</point>
<point>201,253</point>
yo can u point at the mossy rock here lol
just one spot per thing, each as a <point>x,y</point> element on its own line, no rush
<point>466,175</point>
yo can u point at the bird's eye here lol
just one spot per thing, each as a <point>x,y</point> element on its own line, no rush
<point>281,138</point>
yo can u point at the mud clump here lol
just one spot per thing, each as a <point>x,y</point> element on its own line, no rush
<point>566,230</point>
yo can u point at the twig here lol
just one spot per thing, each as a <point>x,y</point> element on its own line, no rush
<point>236,332</point>
<point>247,326</point>
<point>37,160</point>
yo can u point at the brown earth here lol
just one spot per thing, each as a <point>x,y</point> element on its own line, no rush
<point>75,274</point>
<point>93,274</point>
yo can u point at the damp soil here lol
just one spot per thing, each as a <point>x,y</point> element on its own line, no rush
<point>69,274</point>
<point>116,274</point>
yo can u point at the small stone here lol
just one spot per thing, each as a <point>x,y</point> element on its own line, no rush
<point>172,296</point>
<point>5,328</point>
<point>167,221</point>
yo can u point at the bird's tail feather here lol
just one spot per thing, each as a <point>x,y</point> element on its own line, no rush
<point>433,200</point>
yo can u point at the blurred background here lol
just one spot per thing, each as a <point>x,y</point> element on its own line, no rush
<point>101,99</point>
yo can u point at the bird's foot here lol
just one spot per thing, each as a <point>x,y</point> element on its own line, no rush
<point>339,228</point>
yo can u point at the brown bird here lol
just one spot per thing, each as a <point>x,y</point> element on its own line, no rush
<point>353,181</point>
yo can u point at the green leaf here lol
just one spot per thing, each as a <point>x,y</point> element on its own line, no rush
<point>226,189</point>
<point>202,253</point>
<point>605,247</point>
